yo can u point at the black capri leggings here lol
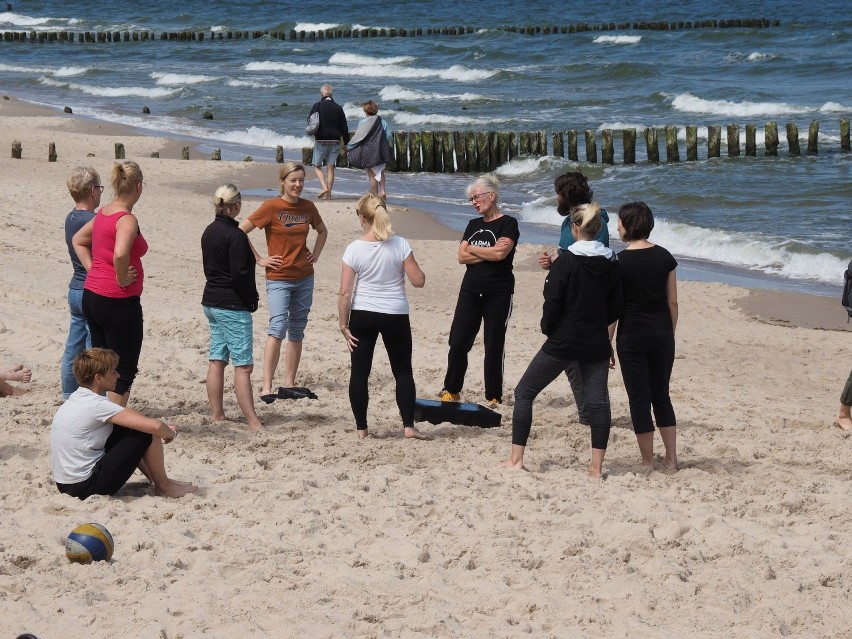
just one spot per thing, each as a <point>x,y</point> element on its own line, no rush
<point>116,323</point>
<point>395,330</point>
<point>588,383</point>
<point>123,450</point>
<point>646,359</point>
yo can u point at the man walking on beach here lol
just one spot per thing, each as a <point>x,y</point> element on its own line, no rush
<point>332,126</point>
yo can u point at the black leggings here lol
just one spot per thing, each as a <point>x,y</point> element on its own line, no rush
<point>588,383</point>
<point>116,323</point>
<point>646,359</point>
<point>123,450</point>
<point>366,326</point>
<point>473,309</point>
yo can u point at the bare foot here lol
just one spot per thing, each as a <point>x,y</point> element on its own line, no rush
<point>595,474</point>
<point>843,422</point>
<point>413,433</point>
<point>670,462</point>
<point>514,465</point>
<point>254,426</point>
<point>19,391</point>
<point>363,434</point>
<point>175,489</point>
<point>16,374</point>
<point>322,194</point>
<point>218,418</point>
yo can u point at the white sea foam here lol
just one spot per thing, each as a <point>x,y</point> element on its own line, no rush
<point>61,72</point>
<point>19,20</point>
<point>756,253</point>
<point>354,58</point>
<point>361,27</point>
<point>617,39</point>
<point>181,79</point>
<point>396,92</point>
<point>68,72</point>
<point>111,92</point>
<point>691,104</point>
<point>756,56</point>
<point>834,107</point>
<point>316,26</point>
<point>218,27</point>
<point>456,72</point>
<point>250,84</point>
<point>414,119</point>
<point>519,167</point>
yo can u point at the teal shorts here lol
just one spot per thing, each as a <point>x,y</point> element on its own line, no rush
<point>230,336</point>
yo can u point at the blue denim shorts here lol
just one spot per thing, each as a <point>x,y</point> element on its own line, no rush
<point>325,150</point>
<point>230,335</point>
<point>289,304</point>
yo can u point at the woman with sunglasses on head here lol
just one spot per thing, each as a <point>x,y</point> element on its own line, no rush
<point>582,300</point>
<point>110,247</point>
<point>646,332</point>
<point>372,302</point>
<point>286,220</point>
<point>487,249</point>
<point>84,185</point>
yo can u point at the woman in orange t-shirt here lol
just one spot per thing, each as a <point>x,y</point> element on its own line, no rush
<point>289,271</point>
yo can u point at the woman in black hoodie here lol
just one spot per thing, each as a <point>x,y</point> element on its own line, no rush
<point>582,301</point>
<point>230,297</point>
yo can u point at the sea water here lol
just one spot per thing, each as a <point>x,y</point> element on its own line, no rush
<point>781,222</point>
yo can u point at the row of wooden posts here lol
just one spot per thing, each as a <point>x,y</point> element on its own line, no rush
<point>199,36</point>
<point>483,151</point>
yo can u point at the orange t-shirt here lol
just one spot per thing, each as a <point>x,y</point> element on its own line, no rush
<point>286,228</point>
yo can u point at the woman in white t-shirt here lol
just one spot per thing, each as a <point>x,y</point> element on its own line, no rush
<point>96,444</point>
<point>372,302</point>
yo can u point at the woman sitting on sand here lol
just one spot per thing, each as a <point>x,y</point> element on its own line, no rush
<point>14,374</point>
<point>372,302</point>
<point>230,297</point>
<point>96,444</point>
<point>111,247</point>
<point>582,300</point>
<point>370,149</point>
<point>286,220</point>
<point>646,331</point>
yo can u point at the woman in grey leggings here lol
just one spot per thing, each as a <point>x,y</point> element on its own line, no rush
<point>582,300</point>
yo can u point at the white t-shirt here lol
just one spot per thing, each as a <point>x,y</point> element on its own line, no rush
<point>78,433</point>
<point>380,286</point>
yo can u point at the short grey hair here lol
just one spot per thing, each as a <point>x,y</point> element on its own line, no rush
<point>326,90</point>
<point>489,182</point>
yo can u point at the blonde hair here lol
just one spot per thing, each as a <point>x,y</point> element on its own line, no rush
<point>588,218</point>
<point>489,182</point>
<point>370,107</point>
<point>94,361</point>
<point>287,168</point>
<point>226,199</point>
<point>374,210</point>
<point>81,181</point>
<point>125,176</point>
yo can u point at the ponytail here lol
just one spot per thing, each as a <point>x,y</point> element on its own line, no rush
<point>373,209</point>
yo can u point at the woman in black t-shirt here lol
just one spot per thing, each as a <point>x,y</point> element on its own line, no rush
<point>487,249</point>
<point>645,343</point>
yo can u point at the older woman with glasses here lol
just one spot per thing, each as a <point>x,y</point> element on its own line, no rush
<point>487,249</point>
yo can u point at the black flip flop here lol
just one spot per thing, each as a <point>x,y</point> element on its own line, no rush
<point>297,392</point>
<point>268,399</point>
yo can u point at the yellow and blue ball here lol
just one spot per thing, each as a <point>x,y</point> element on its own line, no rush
<point>88,543</point>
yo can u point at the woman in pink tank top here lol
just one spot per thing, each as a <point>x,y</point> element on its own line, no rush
<point>111,247</point>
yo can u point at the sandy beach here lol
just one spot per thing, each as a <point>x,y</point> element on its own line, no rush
<point>302,530</point>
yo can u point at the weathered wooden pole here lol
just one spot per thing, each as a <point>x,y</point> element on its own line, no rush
<point>307,155</point>
<point>751,140</point>
<point>541,151</point>
<point>503,144</point>
<point>155,154</point>
<point>571,139</point>
<point>813,137</point>
<point>651,145</point>
<point>525,143</point>
<point>591,147</point>
<point>493,150</point>
<point>216,155</point>
<point>438,152</point>
<point>428,154</point>
<point>733,140</point>
<point>119,151</point>
<point>415,159</point>
<point>17,149</point>
<point>461,152</point>
<point>714,141</point>
<point>184,153</point>
<point>470,152</point>
<point>607,149</point>
<point>482,152</point>
<point>51,152</point>
<point>400,142</point>
<point>513,145</point>
<point>672,152</point>
<point>793,138</point>
<point>771,138</point>
<point>279,154</point>
<point>844,134</point>
<point>628,138</point>
<point>558,144</point>
<point>691,143</point>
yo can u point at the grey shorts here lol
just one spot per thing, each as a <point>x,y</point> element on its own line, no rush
<point>325,151</point>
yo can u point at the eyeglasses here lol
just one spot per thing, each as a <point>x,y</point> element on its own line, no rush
<point>475,197</point>
<point>98,188</point>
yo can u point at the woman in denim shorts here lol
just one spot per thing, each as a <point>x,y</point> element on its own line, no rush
<point>286,220</point>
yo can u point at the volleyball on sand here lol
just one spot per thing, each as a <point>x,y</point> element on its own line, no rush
<point>88,543</point>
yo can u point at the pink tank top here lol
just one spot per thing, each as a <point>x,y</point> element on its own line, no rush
<point>101,278</point>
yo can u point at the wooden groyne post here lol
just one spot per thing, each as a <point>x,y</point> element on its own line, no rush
<point>629,142</point>
<point>691,143</point>
<point>51,152</point>
<point>733,141</point>
<point>119,151</point>
<point>793,138</point>
<point>771,138</point>
<point>813,135</point>
<point>672,153</point>
<point>17,150</point>
<point>653,149</point>
<point>844,135</point>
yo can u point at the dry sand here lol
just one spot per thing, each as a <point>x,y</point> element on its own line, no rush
<point>304,531</point>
